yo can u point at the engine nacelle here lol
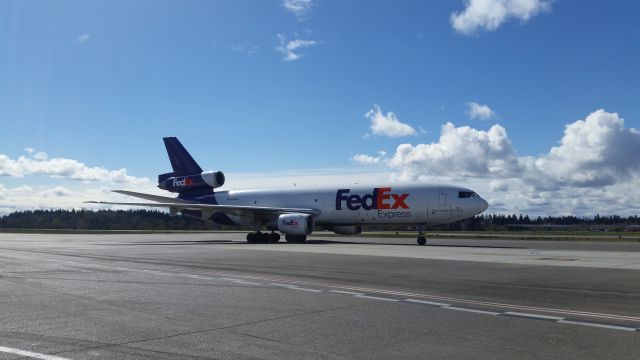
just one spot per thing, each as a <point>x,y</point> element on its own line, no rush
<point>202,182</point>
<point>295,224</point>
<point>346,230</point>
<point>214,179</point>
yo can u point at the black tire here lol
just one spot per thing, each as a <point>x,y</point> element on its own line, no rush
<point>251,238</point>
<point>422,240</point>
<point>298,239</point>
<point>274,238</point>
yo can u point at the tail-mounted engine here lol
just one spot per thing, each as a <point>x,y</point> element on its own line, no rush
<point>197,183</point>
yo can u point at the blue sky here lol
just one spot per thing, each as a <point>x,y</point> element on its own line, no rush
<point>101,82</point>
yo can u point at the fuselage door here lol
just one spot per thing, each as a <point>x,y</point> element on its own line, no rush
<point>443,197</point>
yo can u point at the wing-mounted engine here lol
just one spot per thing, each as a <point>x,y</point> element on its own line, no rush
<point>194,184</point>
<point>295,224</point>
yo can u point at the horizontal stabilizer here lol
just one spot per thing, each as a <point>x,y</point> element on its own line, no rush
<point>149,197</point>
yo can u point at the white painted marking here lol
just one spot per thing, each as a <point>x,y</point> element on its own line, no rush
<point>331,288</point>
<point>345,292</point>
<point>246,282</point>
<point>585,258</point>
<point>375,298</point>
<point>200,277</point>
<point>426,302</point>
<point>30,354</point>
<point>535,316</point>
<point>159,273</point>
<point>471,310</point>
<point>613,327</point>
<point>304,289</point>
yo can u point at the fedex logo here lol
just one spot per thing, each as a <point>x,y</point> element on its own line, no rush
<point>182,182</point>
<point>381,198</point>
<point>289,223</point>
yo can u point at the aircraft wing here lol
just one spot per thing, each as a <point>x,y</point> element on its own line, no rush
<point>150,197</point>
<point>257,211</point>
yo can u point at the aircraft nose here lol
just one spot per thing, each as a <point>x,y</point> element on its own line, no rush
<point>484,205</point>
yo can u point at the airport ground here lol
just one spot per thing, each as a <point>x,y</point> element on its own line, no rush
<point>213,296</point>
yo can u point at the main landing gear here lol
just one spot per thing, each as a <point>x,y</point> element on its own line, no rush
<point>298,239</point>
<point>263,238</point>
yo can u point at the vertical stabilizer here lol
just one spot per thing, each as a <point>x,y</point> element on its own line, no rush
<point>187,178</point>
<point>181,161</point>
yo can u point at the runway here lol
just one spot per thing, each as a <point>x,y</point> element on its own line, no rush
<point>213,296</point>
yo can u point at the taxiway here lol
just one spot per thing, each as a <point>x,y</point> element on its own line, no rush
<point>213,296</point>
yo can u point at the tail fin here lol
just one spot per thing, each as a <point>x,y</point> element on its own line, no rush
<point>187,177</point>
<point>181,161</point>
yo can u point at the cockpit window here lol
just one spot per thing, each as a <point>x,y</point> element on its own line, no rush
<point>466,194</point>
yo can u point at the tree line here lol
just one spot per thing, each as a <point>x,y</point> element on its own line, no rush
<point>524,222</point>
<point>157,220</point>
<point>100,220</point>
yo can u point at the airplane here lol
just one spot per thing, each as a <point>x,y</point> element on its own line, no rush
<point>296,212</point>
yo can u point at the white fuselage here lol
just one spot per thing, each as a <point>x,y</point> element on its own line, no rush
<point>419,204</point>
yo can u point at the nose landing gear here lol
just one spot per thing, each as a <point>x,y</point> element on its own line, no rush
<point>422,239</point>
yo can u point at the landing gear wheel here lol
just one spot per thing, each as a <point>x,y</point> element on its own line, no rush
<point>274,238</point>
<point>298,239</point>
<point>422,240</point>
<point>259,238</point>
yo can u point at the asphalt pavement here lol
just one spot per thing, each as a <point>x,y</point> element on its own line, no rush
<point>213,296</point>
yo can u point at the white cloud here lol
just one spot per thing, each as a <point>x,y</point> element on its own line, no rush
<point>24,189</point>
<point>58,191</point>
<point>40,156</point>
<point>478,111</point>
<point>299,8</point>
<point>65,197</point>
<point>488,15</point>
<point>460,151</point>
<point>289,48</point>
<point>368,159</point>
<point>593,152</point>
<point>387,125</point>
<point>40,164</point>
<point>593,169</point>
<point>83,38</point>
<point>245,48</point>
